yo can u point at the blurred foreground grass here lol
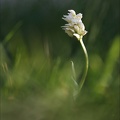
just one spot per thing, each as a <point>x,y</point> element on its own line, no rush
<point>34,85</point>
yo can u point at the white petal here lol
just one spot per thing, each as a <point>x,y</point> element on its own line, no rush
<point>81,25</point>
<point>77,36</point>
<point>65,16</point>
<point>72,12</point>
<point>84,32</point>
<point>74,21</point>
<point>69,33</point>
<point>79,15</point>
<point>68,19</point>
<point>76,28</point>
<point>70,29</point>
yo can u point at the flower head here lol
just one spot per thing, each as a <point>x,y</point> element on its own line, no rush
<point>75,27</point>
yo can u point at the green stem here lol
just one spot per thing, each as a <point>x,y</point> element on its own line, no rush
<point>86,65</point>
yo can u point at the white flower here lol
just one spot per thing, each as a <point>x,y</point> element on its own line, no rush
<point>75,27</point>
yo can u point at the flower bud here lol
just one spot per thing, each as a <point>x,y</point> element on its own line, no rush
<point>75,27</point>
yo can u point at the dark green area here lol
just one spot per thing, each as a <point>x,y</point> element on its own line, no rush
<point>36,55</point>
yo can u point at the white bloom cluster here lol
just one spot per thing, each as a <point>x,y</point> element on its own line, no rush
<point>75,27</point>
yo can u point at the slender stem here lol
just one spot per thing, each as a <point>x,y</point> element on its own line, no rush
<point>86,65</point>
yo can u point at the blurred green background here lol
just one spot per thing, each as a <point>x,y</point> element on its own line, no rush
<point>36,55</point>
